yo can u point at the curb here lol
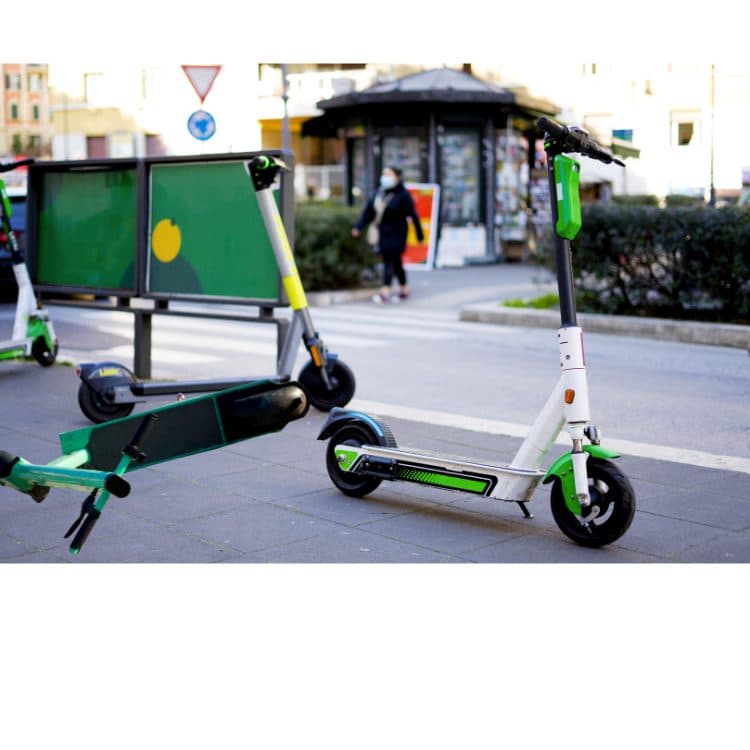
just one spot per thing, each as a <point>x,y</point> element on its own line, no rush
<point>716,334</point>
<point>325,299</point>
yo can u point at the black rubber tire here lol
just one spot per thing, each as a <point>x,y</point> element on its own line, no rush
<point>42,353</point>
<point>342,380</point>
<point>98,410</point>
<point>611,490</point>
<point>349,483</point>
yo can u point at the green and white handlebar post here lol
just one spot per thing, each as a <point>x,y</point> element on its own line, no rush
<point>36,480</point>
<point>572,391</point>
<point>263,171</point>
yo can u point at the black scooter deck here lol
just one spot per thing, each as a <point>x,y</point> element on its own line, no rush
<point>198,424</point>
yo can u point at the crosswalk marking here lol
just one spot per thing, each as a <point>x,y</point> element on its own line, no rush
<point>166,356</point>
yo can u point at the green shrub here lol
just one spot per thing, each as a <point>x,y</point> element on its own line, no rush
<point>691,263</point>
<point>683,201</point>
<point>327,255</point>
<point>635,200</point>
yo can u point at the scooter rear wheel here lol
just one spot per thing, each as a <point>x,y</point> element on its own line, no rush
<point>348,482</point>
<point>97,409</point>
<point>611,493</point>
<point>342,380</point>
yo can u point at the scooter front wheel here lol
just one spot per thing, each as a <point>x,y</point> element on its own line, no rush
<point>349,482</point>
<point>97,409</point>
<point>42,353</point>
<point>342,381</point>
<point>611,511</point>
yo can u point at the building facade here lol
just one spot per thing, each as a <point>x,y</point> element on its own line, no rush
<point>25,127</point>
<point>682,119</point>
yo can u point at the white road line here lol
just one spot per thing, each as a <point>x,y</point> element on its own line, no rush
<point>167,356</point>
<point>235,342</point>
<point>510,429</point>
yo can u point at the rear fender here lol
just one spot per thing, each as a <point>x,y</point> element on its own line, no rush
<point>105,376</point>
<point>338,417</point>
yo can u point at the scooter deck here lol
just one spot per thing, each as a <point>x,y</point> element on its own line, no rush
<point>425,467</point>
<point>196,425</point>
<point>7,347</point>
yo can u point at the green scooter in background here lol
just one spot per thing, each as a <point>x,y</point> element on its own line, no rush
<point>33,333</point>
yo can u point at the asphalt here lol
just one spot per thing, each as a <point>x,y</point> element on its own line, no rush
<point>269,499</point>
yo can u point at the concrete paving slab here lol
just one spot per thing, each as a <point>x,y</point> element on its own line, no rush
<point>551,548</point>
<point>446,530</point>
<point>255,529</point>
<point>353,545</point>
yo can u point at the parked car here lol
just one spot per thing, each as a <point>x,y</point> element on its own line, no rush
<point>8,288</point>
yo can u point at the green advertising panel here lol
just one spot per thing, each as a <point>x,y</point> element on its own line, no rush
<point>206,234</point>
<point>87,228</point>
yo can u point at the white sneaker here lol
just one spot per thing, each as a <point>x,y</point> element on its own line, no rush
<point>379,299</point>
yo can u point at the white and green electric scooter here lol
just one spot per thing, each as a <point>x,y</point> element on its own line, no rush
<point>592,501</point>
<point>33,333</point>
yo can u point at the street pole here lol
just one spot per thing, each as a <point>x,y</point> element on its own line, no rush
<point>286,141</point>
<point>712,196</point>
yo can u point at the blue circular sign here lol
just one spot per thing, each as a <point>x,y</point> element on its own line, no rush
<point>201,125</point>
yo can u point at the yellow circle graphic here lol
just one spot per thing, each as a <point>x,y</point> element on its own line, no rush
<point>166,240</point>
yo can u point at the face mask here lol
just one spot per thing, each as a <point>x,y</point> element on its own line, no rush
<point>387,182</point>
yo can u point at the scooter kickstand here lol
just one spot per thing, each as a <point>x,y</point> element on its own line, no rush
<point>526,512</point>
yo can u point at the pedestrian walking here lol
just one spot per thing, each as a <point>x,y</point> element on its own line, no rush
<point>386,215</point>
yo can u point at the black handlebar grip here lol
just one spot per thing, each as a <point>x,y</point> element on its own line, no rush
<point>261,162</point>
<point>552,128</point>
<point>133,449</point>
<point>84,530</point>
<point>10,166</point>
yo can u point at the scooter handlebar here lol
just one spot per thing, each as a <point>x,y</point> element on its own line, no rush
<point>11,165</point>
<point>576,140</point>
<point>84,530</point>
<point>552,128</point>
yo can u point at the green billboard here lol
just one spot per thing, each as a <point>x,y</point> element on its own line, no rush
<point>206,236</point>
<point>86,229</point>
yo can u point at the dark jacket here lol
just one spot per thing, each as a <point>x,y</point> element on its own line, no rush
<point>393,227</point>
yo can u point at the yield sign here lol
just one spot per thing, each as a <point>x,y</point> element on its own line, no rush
<point>202,77</point>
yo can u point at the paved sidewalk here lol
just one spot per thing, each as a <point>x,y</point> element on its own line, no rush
<point>270,500</point>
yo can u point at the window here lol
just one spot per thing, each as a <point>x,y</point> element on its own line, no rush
<point>13,81</point>
<point>154,145</point>
<point>13,112</point>
<point>460,168</point>
<point>686,128</point>
<point>35,82</point>
<point>34,145</point>
<point>35,113</point>
<point>406,153</point>
<point>96,147</point>
<point>685,133</point>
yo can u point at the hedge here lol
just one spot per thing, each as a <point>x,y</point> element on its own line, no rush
<point>685,263</point>
<point>327,255</point>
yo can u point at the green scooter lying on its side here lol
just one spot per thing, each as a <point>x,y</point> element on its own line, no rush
<point>96,458</point>
<point>592,501</point>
